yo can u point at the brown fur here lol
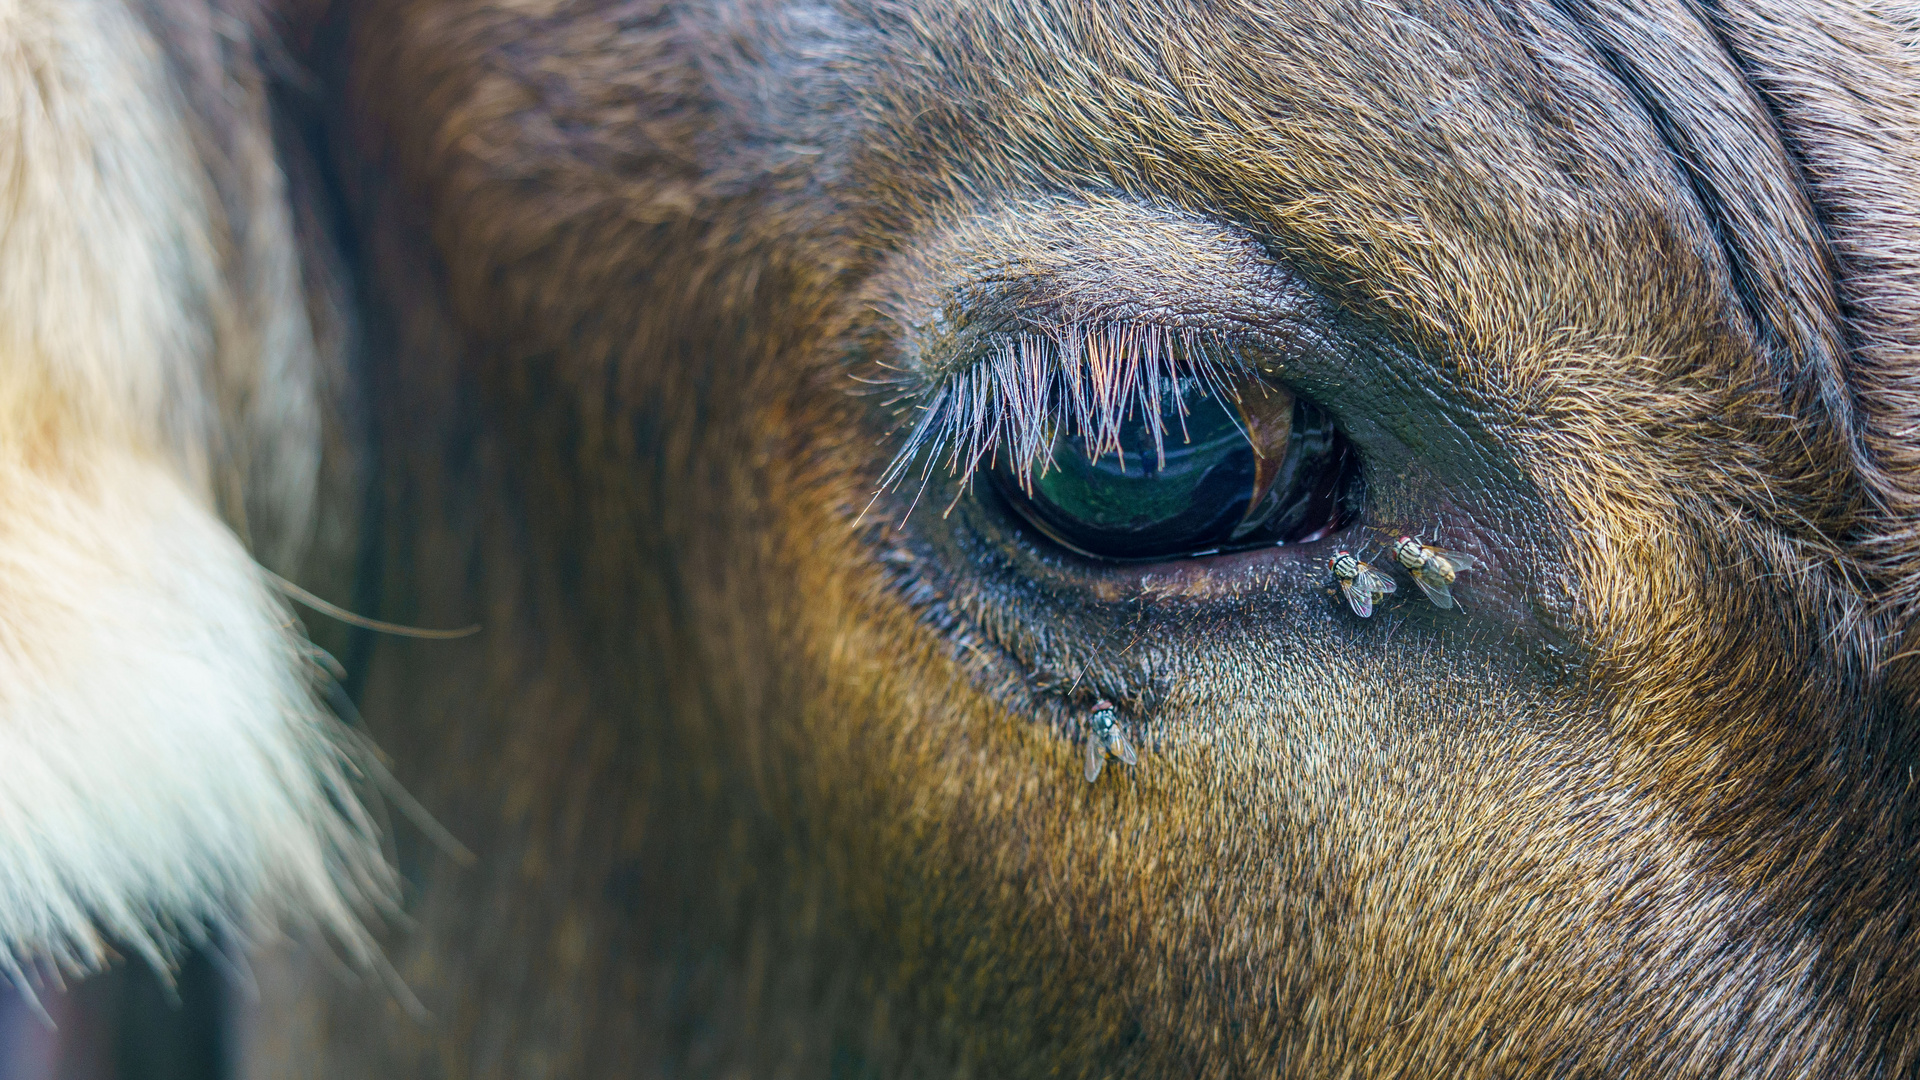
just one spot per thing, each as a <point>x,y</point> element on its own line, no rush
<point>1623,292</point>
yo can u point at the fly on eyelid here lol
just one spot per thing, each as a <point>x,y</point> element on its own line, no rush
<point>1105,737</point>
<point>1359,582</point>
<point>1433,569</point>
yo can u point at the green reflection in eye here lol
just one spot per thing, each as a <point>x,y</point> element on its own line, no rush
<point>1141,500</point>
<point>1238,464</point>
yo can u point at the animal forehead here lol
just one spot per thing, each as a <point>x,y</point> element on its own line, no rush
<point>1510,181</point>
<point>1490,175</point>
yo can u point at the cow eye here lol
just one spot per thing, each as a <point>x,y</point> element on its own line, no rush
<point>1229,463</point>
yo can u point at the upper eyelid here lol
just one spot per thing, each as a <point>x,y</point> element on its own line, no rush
<point>957,293</point>
<point>980,318</point>
<point>1051,260</point>
<point>1088,377</point>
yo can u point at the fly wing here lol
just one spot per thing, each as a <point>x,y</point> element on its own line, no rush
<point>1458,560</point>
<point>1436,587</point>
<point>1096,757</point>
<point>1375,582</point>
<point>1359,599</point>
<point>1122,749</point>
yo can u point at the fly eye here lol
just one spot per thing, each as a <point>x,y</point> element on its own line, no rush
<point>1237,465</point>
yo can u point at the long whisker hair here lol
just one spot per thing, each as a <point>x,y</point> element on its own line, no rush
<point>1086,379</point>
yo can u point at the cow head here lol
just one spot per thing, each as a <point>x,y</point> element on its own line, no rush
<point>761,376</point>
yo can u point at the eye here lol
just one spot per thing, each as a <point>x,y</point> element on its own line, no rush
<point>1230,462</point>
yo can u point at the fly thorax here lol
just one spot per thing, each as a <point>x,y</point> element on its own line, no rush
<point>1101,722</point>
<point>1409,553</point>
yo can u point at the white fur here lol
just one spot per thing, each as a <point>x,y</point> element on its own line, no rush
<point>164,764</point>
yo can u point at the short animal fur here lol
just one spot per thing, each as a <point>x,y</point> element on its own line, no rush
<point>602,323</point>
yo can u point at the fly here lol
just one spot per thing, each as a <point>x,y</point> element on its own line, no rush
<point>1105,737</point>
<point>1359,582</point>
<point>1433,568</point>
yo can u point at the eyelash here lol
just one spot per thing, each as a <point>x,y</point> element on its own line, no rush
<point>1085,378</point>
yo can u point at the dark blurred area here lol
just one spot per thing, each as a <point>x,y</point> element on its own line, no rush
<point>123,1024</point>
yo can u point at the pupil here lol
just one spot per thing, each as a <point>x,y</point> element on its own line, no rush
<point>1143,501</point>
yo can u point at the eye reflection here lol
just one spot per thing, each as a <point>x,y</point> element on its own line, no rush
<point>1244,464</point>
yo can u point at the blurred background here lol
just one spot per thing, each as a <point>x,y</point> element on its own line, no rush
<point>123,1024</point>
